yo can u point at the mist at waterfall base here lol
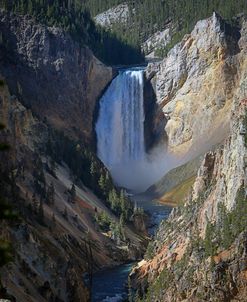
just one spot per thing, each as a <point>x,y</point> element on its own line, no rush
<point>120,134</point>
<point>137,176</point>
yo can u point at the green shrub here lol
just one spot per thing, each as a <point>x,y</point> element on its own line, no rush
<point>103,221</point>
<point>150,251</point>
<point>230,224</point>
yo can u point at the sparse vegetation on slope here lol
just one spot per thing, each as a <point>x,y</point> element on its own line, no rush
<point>199,253</point>
<point>230,224</point>
<point>177,195</point>
<point>88,169</point>
<point>219,238</point>
<point>45,177</point>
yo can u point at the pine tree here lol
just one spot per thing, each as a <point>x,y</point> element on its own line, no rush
<point>122,225</point>
<point>102,183</point>
<point>113,200</point>
<point>209,244</point>
<point>108,182</point>
<point>73,193</point>
<point>122,201</point>
<point>92,169</point>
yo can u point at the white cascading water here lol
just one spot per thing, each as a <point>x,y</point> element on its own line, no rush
<point>120,126</point>
<point>120,135</point>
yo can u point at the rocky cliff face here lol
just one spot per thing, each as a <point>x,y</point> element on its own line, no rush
<point>195,85</point>
<point>199,254</point>
<point>158,40</point>
<point>49,83</point>
<point>56,241</point>
<point>52,74</point>
<point>117,14</point>
<point>45,266</point>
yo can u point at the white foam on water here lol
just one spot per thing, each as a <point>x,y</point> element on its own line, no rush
<point>116,298</point>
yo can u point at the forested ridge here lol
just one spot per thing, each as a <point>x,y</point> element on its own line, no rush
<point>74,17</point>
<point>122,44</point>
<point>147,17</point>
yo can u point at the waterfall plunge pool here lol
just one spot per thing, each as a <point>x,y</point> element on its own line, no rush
<point>120,134</point>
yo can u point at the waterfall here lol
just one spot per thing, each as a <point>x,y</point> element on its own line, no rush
<point>120,126</point>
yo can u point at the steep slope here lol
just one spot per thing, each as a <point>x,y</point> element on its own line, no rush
<point>57,239</point>
<point>195,85</point>
<point>49,87</point>
<point>158,32</point>
<point>38,265</point>
<point>47,69</point>
<point>117,14</point>
<point>199,254</point>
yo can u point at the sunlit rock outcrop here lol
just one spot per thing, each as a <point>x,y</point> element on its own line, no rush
<point>200,252</point>
<point>195,85</point>
<point>117,14</point>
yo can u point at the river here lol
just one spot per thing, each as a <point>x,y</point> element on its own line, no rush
<point>121,147</point>
<point>110,285</point>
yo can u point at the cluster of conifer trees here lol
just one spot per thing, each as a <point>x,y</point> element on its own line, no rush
<point>74,17</point>
<point>89,169</point>
<point>148,16</point>
<point>122,45</point>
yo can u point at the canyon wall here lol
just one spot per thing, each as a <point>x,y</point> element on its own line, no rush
<point>195,85</point>
<point>199,253</point>
<point>57,242</point>
<point>55,76</point>
<point>50,84</point>
<point>186,262</point>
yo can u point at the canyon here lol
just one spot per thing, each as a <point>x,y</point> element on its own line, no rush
<point>178,266</point>
<point>181,121</point>
<point>43,71</point>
